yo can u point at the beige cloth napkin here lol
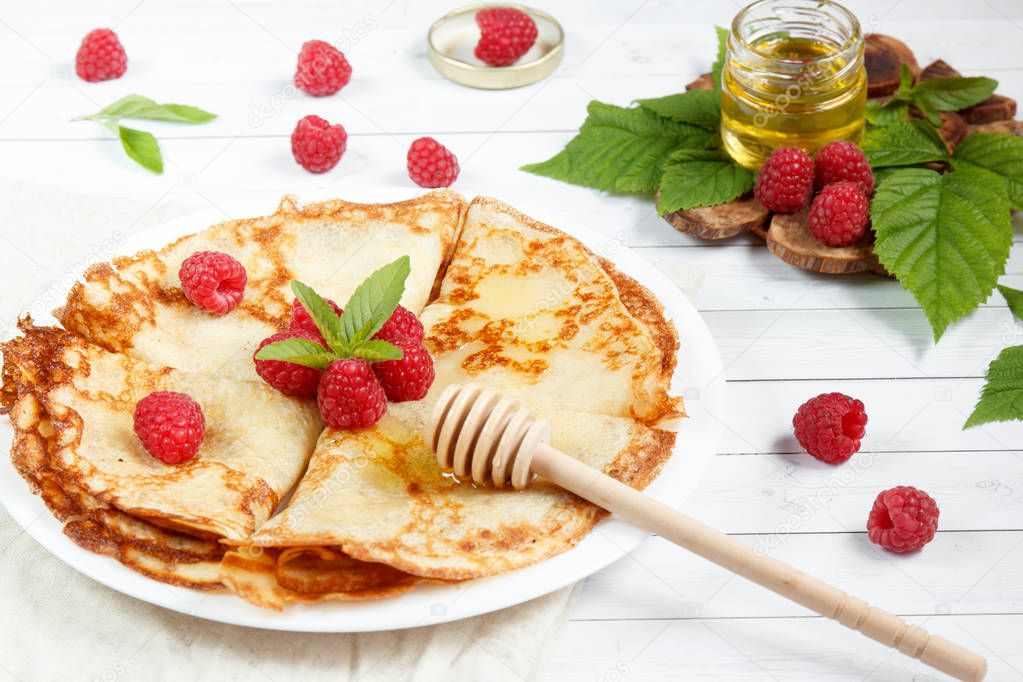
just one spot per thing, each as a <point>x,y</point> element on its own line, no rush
<point>56,624</point>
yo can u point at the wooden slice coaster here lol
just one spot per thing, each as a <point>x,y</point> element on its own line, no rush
<point>883,57</point>
<point>789,238</point>
<point>722,221</point>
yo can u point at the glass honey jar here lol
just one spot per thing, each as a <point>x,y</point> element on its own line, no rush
<point>793,77</point>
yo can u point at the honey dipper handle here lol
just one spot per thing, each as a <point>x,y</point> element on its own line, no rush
<point>738,557</point>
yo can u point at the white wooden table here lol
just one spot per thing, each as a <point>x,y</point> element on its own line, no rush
<point>785,335</point>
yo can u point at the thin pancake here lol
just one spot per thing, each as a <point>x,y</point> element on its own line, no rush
<point>529,310</point>
<point>86,397</point>
<point>135,304</point>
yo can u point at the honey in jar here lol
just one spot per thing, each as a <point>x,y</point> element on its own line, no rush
<point>793,77</point>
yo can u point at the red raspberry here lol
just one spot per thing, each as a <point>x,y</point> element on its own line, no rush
<point>170,425</point>
<point>317,145</point>
<point>785,182</point>
<point>830,426</point>
<point>903,519</point>
<point>409,378</point>
<point>322,69</point>
<point>212,280</point>
<point>843,160</point>
<point>839,214</point>
<point>350,396</point>
<point>505,35</point>
<point>300,318</point>
<point>100,57</point>
<point>288,377</point>
<point>430,164</point>
<point>401,327</point>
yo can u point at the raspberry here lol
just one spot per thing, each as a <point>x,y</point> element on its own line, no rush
<point>288,377</point>
<point>349,395</point>
<point>903,519</point>
<point>212,280</point>
<point>100,57</point>
<point>409,378</point>
<point>839,214</point>
<point>300,319</point>
<point>830,426</point>
<point>170,425</point>
<point>785,182</point>
<point>842,160</point>
<point>317,145</point>
<point>322,69</point>
<point>430,164</point>
<point>505,35</point>
<point>401,327</point>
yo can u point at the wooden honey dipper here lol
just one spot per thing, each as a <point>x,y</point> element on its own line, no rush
<point>495,440</point>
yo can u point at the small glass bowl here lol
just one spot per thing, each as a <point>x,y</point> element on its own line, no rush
<point>452,40</point>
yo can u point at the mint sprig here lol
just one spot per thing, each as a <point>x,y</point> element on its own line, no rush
<point>139,145</point>
<point>930,97</point>
<point>350,334</point>
<point>906,143</point>
<point>1001,399</point>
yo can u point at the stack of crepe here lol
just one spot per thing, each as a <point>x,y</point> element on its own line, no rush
<point>506,302</point>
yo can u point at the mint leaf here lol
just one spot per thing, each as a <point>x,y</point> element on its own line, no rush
<point>181,113</point>
<point>142,148</point>
<point>322,315</point>
<point>376,350</point>
<point>998,153</point>
<point>699,107</point>
<point>701,178</point>
<point>946,238</point>
<point>621,149</point>
<point>1001,399</point>
<point>144,108</point>
<point>905,90</point>
<point>886,114</point>
<point>125,107</point>
<point>1014,297</point>
<point>719,63</point>
<point>299,351</point>
<point>904,143</point>
<point>373,302</point>
<point>952,94</point>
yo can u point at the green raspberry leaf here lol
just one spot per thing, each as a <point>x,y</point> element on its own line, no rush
<point>299,351</point>
<point>1014,297</point>
<point>373,302</point>
<point>698,107</point>
<point>1002,396</point>
<point>952,94</point>
<point>719,63</point>
<point>701,178</point>
<point>377,350</point>
<point>621,150</point>
<point>886,114</point>
<point>946,238</point>
<point>322,315</point>
<point>142,148</point>
<point>998,153</point>
<point>905,143</point>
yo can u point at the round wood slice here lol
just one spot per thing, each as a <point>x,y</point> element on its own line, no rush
<point>703,82</point>
<point>883,56</point>
<point>719,222</point>
<point>1011,127</point>
<point>953,129</point>
<point>789,238</point>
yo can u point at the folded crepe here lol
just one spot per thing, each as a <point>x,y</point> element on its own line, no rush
<point>135,304</point>
<point>522,308</point>
<point>71,405</point>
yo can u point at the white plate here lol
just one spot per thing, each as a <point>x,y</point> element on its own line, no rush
<point>699,378</point>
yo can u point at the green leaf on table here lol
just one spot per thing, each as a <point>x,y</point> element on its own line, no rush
<point>1001,399</point>
<point>904,143</point>
<point>299,351</point>
<point>1014,297</point>
<point>143,108</point>
<point>698,107</point>
<point>373,302</point>
<point>695,178</point>
<point>621,150</point>
<point>952,94</point>
<point>322,315</point>
<point>719,62</point>
<point>377,350</point>
<point>998,153</point>
<point>886,114</point>
<point>142,148</point>
<point>946,238</point>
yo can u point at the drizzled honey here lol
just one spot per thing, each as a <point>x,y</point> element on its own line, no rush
<point>794,76</point>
